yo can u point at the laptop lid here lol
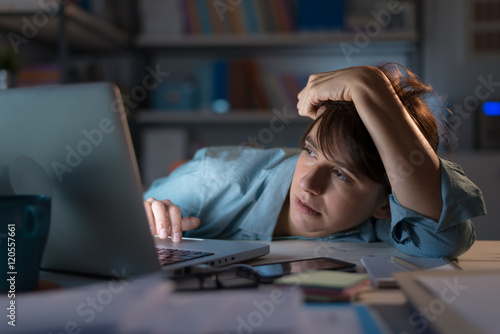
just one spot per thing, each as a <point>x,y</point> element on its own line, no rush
<point>72,142</point>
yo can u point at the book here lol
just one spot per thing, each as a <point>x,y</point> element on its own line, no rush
<point>258,95</point>
<point>216,21</point>
<point>235,17</point>
<point>220,102</point>
<point>326,285</point>
<point>284,18</point>
<point>331,17</point>
<point>204,17</point>
<point>265,10</point>
<point>250,18</point>
<point>39,74</point>
<point>239,87</point>
<point>292,86</point>
<point>193,21</point>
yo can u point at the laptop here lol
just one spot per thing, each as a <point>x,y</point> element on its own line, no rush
<point>72,142</point>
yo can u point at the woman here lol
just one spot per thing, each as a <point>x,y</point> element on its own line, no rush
<point>368,171</point>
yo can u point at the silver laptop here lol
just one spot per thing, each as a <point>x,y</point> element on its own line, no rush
<point>72,142</point>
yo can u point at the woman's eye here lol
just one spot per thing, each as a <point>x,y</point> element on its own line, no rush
<point>337,173</point>
<point>308,151</point>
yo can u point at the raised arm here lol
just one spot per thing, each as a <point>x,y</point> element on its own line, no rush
<point>411,164</point>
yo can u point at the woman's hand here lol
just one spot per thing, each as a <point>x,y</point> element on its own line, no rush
<point>338,85</point>
<point>165,219</point>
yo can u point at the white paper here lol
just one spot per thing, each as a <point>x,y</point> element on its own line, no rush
<point>150,306</point>
<point>474,297</point>
<point>97,308</point>
<point>329,320</point>
<point>223,311</point>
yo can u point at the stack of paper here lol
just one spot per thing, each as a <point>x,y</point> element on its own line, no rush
<point>326,285</point>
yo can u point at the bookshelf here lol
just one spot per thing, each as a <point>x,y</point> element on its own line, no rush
<point>299,39</point>
<point>182,34</point>
<point>277,42</point>
<point>46,35</point>
<point>82,31</point>
<point>200,118</point>
<point>192,38</point>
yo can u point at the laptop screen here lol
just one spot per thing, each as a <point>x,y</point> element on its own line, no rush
<point>72,142</point>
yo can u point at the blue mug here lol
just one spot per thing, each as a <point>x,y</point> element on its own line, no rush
<point>24,227</point>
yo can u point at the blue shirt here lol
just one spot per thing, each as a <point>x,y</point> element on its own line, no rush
<point>238,192</point>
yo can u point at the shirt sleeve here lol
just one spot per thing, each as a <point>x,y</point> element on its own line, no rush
<point>452,235</point>
<point>228,186</point>
<point>178,187</point>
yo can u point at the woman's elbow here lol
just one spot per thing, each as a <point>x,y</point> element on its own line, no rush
<point>450,242</point>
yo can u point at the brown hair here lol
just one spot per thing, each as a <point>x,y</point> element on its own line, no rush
<point>341,131</point>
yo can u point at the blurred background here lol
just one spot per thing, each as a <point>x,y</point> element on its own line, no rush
<point>195,73</point>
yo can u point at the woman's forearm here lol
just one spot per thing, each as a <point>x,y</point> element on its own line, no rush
<point>412,166</point>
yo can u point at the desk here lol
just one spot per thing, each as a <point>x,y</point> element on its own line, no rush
<point>284,250</point>
<point>482,255</point>
<point>391,305</point>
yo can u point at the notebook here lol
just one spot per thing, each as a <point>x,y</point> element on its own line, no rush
<point>381,268</point>
<point>72,142</point>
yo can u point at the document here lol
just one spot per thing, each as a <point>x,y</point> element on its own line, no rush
<point>89,309</point>
<point>152,306</point>
<point>472,297</point>
<point>453,301</point>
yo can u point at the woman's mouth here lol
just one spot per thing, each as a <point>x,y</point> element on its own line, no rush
<point>305,208</point>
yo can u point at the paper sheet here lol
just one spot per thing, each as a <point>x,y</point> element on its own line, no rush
<point>151,306</point>
<point>474,297</point>
<point>97,308</point>
<point>343,318</point>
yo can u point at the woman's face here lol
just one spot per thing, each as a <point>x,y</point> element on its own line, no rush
<point>326,197</point>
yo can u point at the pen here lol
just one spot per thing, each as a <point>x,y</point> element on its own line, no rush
<point>405,264</point>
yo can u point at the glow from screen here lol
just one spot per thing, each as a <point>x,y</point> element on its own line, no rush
<point>491,108</point>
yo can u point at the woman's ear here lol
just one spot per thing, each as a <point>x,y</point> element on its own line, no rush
<point>383,210</point>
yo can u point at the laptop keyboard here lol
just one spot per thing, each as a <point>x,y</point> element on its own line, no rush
<point>171,255</point>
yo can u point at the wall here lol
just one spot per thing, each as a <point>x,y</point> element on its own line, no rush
<point>453,71</point>
<point>448,65</point>
<point>484,169</point>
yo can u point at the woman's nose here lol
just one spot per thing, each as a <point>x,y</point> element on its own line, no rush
<point>314,180</point>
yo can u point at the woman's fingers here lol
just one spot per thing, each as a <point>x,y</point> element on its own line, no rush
<point>190,223</point>
<point>150,216</point>
<point>333,85</point>
<point>161,218</point>
<point>165,219</point>
<point>174,213</point>
<point>308,98</point>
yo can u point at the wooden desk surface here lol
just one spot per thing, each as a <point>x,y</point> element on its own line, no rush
<point>284,250</point>
<point>390,304</point>
<point>482,255</point>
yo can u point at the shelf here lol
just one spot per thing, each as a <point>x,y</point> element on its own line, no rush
<point>194,118</point>
<point>84,32</point>
<point>264,40</point>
